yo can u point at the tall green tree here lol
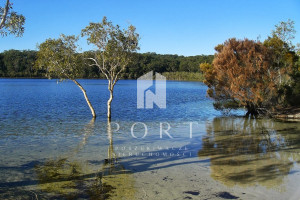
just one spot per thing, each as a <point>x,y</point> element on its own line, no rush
<point>60,59</point>
<point>11,22</point>
<point>115,48</point>
<point>280,43</point>
<point>285,61</point>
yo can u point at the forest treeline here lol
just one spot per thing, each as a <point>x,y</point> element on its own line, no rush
<point>20,64</point>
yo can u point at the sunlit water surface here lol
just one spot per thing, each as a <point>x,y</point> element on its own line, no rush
<point>50,148</point>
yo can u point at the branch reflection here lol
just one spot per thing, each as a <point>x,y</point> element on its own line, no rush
<point>247,152</point>
<point>70,178</point>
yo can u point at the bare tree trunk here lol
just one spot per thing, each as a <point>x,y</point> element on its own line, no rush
<point>251,110</point>
<point>109,104</point>
<point>111,156</point>
<point>280,79</point>
<point>86,98</point>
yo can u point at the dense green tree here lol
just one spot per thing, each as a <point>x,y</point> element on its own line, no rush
<point>286,62</point>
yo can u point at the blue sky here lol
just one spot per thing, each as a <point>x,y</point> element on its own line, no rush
<point>183,27</point>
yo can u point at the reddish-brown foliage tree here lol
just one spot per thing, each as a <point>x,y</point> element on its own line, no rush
<point>242,72</point>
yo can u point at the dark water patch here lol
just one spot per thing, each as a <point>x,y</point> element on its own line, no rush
<point>226,195</point>
<point>192,192</point>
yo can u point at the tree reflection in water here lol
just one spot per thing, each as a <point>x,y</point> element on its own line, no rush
<point>69,179</point>
<point>246,151</point>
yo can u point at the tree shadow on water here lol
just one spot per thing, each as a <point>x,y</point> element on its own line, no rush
<point>237,150</point>
<point>247,152</point>
<point>67,178</point>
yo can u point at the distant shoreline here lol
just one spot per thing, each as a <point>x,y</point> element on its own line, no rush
<point>43,78</point>
<point>171,76</point>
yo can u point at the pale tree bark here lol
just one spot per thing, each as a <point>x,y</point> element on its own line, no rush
<point>111,96</point>
<point>109,105</point>
<point>86,98</point>
<point>112,75</point>
<point>6,8</point>
<point>111,155</point>
<point>111,84</point>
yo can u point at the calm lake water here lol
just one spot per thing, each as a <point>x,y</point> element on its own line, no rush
<point>50,148</point>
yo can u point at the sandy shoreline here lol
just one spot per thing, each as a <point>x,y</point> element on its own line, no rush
<point>194,181</point>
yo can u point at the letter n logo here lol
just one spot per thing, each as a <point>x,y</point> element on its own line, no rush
<point>145,97</point>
